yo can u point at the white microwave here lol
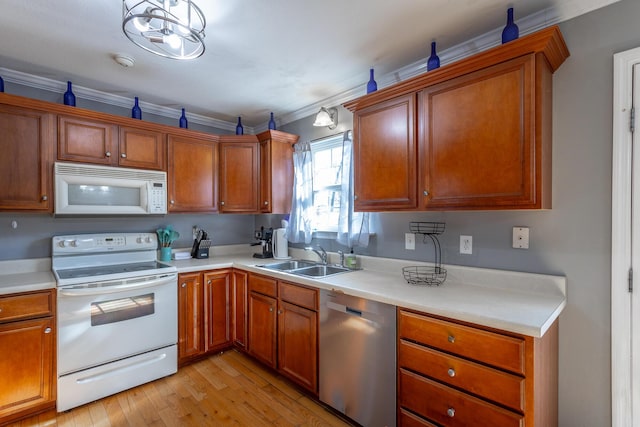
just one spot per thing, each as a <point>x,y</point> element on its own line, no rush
<point>82,189</point>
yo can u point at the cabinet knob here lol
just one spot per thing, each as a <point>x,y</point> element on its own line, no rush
<point>45,198</point>
<point>108,154</point>
<point>425,192</point>
<point>451,372</point>
<point>266,202</point>
<point>209,282</point>
<point>270,309</point>
<point>279,311</point>
<point>451,339</point>
<point>172,202</point>
<point>184,285</point>
<point>355,197</point>
<point>47,331</point>
<point>221,203</point>
<point>0,309</point>
<point>451,412</point>
<point>123,155</point>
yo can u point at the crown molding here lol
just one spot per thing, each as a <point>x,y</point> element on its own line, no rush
<point>528,24</point>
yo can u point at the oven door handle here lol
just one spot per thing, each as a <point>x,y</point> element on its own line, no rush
<point>110,289</point>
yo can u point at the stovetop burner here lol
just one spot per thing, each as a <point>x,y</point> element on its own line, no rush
<point>103,270</point>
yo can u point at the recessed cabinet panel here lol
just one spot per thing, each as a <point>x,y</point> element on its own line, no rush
<point>385,155</point>
<point>478,138</point>
<point>142,149</point>
<point>239,176</point>
<point>88,141</point>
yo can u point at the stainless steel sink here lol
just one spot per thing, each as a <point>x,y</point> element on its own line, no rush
<point>288,265</point>
<point>320,270</point>
<point>305,268</point>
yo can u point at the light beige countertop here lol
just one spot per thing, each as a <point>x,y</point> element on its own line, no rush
<point>524,303</point>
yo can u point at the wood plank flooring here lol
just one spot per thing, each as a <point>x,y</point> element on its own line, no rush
<point>228,389</point>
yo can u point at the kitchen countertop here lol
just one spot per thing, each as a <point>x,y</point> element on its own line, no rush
<point>523,303</point>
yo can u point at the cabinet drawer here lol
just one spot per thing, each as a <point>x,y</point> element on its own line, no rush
<point>497,386</point>
<point>498,350</point>
<point>23,306</point>
<point>263,285</point>
<point>450,407</point>
<point>407,419</point>
<point>298,295</point>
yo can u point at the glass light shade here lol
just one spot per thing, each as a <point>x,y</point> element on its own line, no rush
<point>169,28</point>
<point>327,118</point>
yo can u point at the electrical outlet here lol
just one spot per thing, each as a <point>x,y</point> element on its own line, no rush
<point>521,237</point>
<point>466,245</point>
<point>410,241</point>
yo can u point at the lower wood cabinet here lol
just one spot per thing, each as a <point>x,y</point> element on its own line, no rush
<point>27,354</point>
<point>239,312</point>
<point>283,328</point>
<point>204,313</point>
<point>457,374</point>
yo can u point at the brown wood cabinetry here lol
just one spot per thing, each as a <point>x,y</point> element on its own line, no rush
<point>239,312</point>
<point>276,171</point>
<point>88,140</point>
<point>204,313</point>
<point>28,151</point>
<point>474,134</point>
<point>192,174</point>
<point>27,346</point>
<point>283,328</point>
<point>455,374</point>
<point>239,174</point>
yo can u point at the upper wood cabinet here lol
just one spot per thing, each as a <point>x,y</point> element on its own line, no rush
<point>28,150</point>
<point>192,174</point>
<point>239,174</point>
<point>89,140</point>
<point>474,134</point>
<point>276,171</point>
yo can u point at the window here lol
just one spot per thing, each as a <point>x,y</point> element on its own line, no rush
<point>326,157</point>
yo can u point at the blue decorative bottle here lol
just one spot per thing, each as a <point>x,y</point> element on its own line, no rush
<point>372,86</point>
<point>1,84</point>
<point>510,31</point>
<point>183,120</point>
<point>272,122</point>
<point>69,98</point>
<point>434,61</point>
<point>136,112</point>
<point>239,128</point>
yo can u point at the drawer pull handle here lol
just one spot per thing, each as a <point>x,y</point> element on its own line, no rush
<point>451,339</point>
<point>47,331</point>
<point>451,412</point>
<point>451,372</point>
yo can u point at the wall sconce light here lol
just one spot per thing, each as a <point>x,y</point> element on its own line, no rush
<point>327,117</point>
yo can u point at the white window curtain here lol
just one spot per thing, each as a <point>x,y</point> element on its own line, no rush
<point>299,228</point>
<point>353,227</point>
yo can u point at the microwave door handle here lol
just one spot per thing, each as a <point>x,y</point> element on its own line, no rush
<point>117,288</point>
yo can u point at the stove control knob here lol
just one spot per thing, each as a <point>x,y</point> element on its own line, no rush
<point>62,243</point>
<point>74,243</point>
<point>147,239</point>
<point>139,240</point>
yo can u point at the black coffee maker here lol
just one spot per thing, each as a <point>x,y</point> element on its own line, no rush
<point>265,236</point>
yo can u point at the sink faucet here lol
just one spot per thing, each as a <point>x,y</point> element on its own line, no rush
<point>321,253</point>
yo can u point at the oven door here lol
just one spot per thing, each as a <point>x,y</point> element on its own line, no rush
<point>108,321</point>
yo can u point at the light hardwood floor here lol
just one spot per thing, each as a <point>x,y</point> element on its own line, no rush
<point>228,389</point>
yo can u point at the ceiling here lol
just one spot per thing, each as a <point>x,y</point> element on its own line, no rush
<point>261,56</point>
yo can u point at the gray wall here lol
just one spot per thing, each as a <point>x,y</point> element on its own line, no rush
<point>571,239</point>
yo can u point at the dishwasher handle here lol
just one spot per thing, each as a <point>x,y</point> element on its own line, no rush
<point>365,315</point>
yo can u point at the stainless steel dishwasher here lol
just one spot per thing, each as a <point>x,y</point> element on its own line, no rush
<point>358,358</point>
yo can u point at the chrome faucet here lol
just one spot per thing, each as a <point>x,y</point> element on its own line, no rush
<point>321,253</point>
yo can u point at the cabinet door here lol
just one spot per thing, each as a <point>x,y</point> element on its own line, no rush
<point>26,367</point>
<point>276,171</point>
<point>478,139</point>
<point>239,172</point>
<point>191,175</point>
<point>298,344</point>
<point>87,141</point>
<point>239,305</point>
<point>217,293</point>
<point>386,156</point>
<point>261,340</point>
<point>27,146</point>
<point>140,148</point>
<point>190,316</point>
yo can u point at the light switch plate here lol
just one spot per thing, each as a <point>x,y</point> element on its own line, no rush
<point>410,241</point>
<point>521,237</point>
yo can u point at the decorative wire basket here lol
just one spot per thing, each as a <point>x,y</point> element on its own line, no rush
<point>422,275</point>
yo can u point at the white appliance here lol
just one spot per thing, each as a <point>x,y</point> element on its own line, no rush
<point>117,315</point>
<point>280,244</point>
<point>82,189</point>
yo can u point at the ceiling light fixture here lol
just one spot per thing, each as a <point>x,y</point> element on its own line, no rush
<point>327,117</point>
<point>169,28</point>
